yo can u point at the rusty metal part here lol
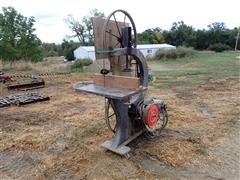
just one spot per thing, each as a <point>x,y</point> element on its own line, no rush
<point>155,117</point>
<point>38,75</point>
<point>110,116</point>
<point>5,78</point>
<point>4,102</point>
<point>152,115</point>
<point>112,93</point>
<point>127,22</point>
<point>27,86</point>
<point>126,36</point>
<point>22,99</point>
<point>9,77</point>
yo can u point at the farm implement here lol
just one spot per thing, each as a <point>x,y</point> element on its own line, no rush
<point>30,81</point>
<point>124,83</point>
<point>5,78</point>
<point>34,84</point>
<point>21,99</point>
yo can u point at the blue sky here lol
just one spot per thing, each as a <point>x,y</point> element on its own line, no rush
<point>50,14</point>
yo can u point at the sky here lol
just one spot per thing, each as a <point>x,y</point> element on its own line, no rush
<point>51,27</point>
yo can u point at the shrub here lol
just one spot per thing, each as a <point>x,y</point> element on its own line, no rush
<point>160,54</point>
<point>69,54</point>
<point>52,53</point>
<point>180,52</point>
<point>80,63</point>
<point>186,52</point>
<point>171,54</point>
<point>219,47</point>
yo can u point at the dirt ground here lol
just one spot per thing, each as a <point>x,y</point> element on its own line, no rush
<point>60,138</point>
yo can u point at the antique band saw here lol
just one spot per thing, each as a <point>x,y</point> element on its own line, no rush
<point>123,81</point>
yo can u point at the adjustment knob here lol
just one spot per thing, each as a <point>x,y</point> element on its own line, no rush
<point>104,71</point>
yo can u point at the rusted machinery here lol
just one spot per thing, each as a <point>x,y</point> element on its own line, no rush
<point>34,84</point>
<point>5,78</point>
<point>123,81</point>
<point>21,99</point>
<point>30,81</point>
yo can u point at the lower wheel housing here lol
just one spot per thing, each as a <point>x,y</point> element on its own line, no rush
<point>154,116</point>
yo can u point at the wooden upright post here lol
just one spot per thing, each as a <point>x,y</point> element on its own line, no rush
<point>236,44</point>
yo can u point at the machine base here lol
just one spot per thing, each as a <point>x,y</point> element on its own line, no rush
<point>122,150</point>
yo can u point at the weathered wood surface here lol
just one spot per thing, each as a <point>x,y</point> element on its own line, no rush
<point>110,40</point>
<point>117,64</point>
<point>120,82</point>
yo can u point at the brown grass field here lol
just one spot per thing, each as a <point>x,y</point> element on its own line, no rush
<point>60,138</point>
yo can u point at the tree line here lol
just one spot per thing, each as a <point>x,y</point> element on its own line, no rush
<point>19,41</point>
<point>180,34</point>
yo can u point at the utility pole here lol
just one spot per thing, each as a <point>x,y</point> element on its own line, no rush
<point>236,44</point>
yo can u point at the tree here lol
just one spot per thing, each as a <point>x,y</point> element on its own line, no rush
<point>217,26</point>
<point>217,36</point>
<point>17,38</point>
<point>151,36</point>
<point>88,24</point>
<point>202,39</point>
<point>68,47</point>
<point>180,35</point>
<point>52,49</point>
<point>218,32</point>
<point>77,28</point>
<point>83,30</point>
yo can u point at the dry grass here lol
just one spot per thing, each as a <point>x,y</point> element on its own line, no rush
<point>46,66</point>
<point>60,139</point>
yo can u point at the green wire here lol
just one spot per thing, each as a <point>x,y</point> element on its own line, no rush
<point>104,51</point>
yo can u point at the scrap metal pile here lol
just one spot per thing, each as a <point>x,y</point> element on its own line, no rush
<point>4,78</point>
<point>21,99</point>
<point>34,84</point>
<point>33,81</point>
<point>39,74</point>
<point>24,82</point>
<point>12,84</point>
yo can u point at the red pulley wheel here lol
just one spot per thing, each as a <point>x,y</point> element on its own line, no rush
<point>152,116</point>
